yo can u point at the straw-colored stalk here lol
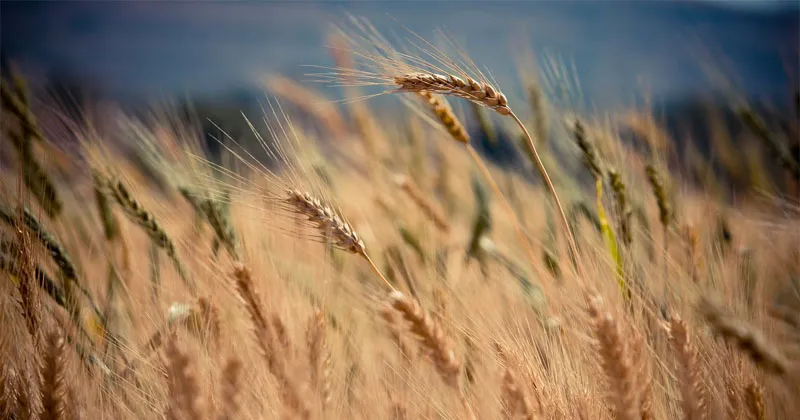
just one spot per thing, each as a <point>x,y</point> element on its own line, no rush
<point>484,94</point>
<point>447,118</point>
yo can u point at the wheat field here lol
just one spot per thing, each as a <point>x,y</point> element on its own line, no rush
<point>350,263</point>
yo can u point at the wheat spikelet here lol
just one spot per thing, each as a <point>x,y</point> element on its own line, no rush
<point>445,114</point>
<point>229,397</point>
<point>660,191</point>
<point>139,215</point>
<point>327,221</point>
<point>432,337</point>
<point>749,340</point>
<point>754,399</point>
<point>427,206</point>
<point>693,393</point>
<point>616,362</point>
<point>388,315</point>
<point>515,400</point>
<point>319,356</point>
<point>184,393</point>
<point>590,158</point>
<point>217,217</point>
<point>624,211</point>
<point>53,387</point>
<point>468,88</point>
<point>268,342</point>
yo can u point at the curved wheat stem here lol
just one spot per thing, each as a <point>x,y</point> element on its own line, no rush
<point>484,94</point>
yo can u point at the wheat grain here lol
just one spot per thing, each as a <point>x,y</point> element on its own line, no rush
<point>184,393</point>
<point>432,337</point>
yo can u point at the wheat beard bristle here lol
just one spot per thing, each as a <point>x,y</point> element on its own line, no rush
<point>471,89</point>
<point>327,221</point>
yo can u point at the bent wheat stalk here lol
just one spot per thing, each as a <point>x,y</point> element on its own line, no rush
<point>447,118</point>
<point>484,94</point>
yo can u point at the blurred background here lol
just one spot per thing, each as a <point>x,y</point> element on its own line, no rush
<point>133,50</point>
<point>683,59</point>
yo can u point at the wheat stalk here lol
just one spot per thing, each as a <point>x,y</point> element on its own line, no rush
<point>184,393</point>
<point>431,335</point>
<point>319,356</point>
<point>484,94</point>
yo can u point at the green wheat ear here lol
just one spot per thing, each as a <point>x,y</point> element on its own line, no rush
<point>35,178</point>
<point>481,225</point>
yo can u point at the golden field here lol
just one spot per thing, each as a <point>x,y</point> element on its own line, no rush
<point>350,262</point>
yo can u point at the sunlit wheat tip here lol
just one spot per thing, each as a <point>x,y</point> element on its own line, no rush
<point>470,89</point>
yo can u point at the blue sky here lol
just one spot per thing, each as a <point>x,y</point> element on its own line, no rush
<point>142,48</point>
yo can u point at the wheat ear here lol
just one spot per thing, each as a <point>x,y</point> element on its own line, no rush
<point>751,341</point>
<point>441,109</point>
<point>484,94</point>
<point>53,383</point>
<point>755,402</point>
<point>693,393</point>
<point>231,377</point>
<point>616,362</point>
<point>516,402</point>
<point>268,342</point>
<point>319,356</point>
<point>331,225</point>
<point>139,215</point>
<point>432,337</point>
<point>184,393</point>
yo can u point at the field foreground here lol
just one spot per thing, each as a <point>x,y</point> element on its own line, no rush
<point>344,263</point>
